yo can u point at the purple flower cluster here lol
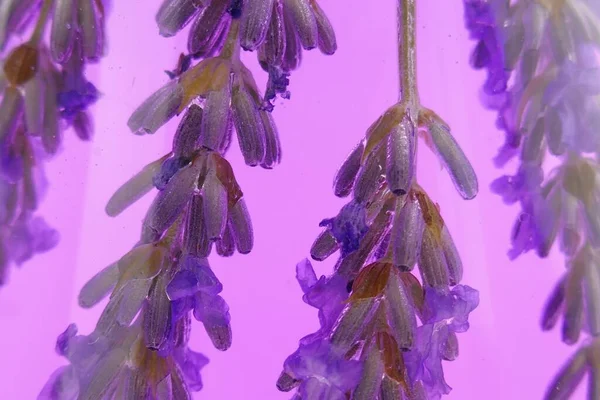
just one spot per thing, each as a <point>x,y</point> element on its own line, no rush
<point>545,56</point>
<point>446,315</point>
<point>43,90</point>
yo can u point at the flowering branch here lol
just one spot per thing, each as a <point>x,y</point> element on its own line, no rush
<point>370,344</point>
<point>543,79</point>
<point>44,90</point>
<point>139,347</point>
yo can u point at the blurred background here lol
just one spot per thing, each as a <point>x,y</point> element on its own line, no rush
<point>334,99</point>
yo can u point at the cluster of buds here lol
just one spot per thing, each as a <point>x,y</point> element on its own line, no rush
<point>139,347</point>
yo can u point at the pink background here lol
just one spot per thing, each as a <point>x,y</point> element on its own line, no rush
<point>334,100</point>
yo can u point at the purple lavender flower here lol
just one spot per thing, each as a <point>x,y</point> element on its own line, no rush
<point>348,227</point>
<point>323,372</point>
<point>167,170</point>
<point>195,287</point>
<point>276,85</point>
<point>325,294</point>
<point>446,315</point>
<point>116,366</point>
<point>29,236</point>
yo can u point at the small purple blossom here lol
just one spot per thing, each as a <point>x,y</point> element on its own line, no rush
<point>167,170</point>
<point>514,188</point>
<point>446,314</point>
<point>191,363</point>
<point>323,372</point>
<point>276,85</point>
<point>195,288</point>
<point>75,100</point>
<point>327,294</point>
<point>348,227</point>
<point>30,236</point>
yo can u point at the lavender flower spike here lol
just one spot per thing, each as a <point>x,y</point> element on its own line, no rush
<point>368,306</point>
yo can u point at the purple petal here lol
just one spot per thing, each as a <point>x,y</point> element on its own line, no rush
<point>348,227</point>
<point>183,284</point>
<point>213,311</point>
<point>168,169</point>
<point>62,384</point>
<point>305,274</point>
<point>64,339</point>
<point>191,363</point>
